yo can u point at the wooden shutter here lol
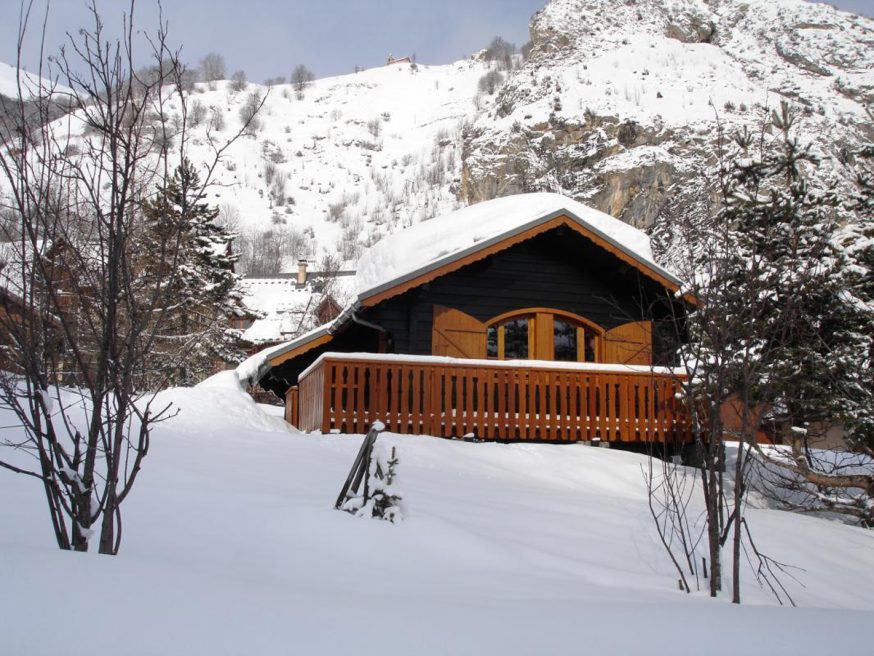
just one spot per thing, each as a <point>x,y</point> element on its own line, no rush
<point>457,334</point>
<point>630,343</point>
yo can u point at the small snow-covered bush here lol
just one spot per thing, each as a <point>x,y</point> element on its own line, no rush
<point>381,496</point>
<point>249,112</point>
<point>196,114</point>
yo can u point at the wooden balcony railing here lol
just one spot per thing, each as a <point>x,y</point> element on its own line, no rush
<point>493,400</point>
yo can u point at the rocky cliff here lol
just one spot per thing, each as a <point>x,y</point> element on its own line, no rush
<point>620,104</point>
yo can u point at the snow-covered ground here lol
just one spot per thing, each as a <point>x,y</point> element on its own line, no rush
<point>231,546</point>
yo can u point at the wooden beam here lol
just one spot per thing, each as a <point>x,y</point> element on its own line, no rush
<point>299,350</point>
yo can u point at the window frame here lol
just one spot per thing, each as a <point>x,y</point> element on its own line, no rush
<point>541,344</point>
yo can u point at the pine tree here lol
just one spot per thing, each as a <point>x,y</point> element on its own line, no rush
<point>790,285</point>
<point>857,240</point>
<point>203,295</point>
<point>786,326</point>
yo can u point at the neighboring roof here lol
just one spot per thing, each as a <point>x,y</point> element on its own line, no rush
<point>286,309</point>
<point>431,248</point>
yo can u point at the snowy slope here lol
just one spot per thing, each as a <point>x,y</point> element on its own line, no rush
<point>358,156</point>
<point>351,159</point>
<point>231,547</point>
<point>30,83</point>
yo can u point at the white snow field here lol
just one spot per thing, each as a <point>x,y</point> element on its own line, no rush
<point>231,546</point>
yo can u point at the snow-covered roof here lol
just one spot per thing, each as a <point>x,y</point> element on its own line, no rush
<point>282,304</point>
<point>432,244</point>
<point>286,308</point>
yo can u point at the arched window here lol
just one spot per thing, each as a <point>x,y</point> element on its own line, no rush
<point>543,334</point>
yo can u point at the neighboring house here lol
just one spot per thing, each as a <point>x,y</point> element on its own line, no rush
<point>525,317</point>
<point>400,60</point>
<point>291,304</point>
<point>20,309</point>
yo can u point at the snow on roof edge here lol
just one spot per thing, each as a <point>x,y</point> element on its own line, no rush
<point>253,368</point>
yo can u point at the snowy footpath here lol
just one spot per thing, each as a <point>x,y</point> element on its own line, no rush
<point>231,546</point>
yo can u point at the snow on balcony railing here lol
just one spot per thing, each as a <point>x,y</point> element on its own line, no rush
<point>492,399</point>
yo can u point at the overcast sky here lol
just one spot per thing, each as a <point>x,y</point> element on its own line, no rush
<point>267,38</point>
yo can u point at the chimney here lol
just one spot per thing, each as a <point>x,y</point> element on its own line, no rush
<point>301,273</point>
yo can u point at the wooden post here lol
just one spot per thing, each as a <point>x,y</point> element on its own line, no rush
<point>359,469</point>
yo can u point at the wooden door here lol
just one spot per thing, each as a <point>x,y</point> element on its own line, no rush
<point>630,343</point>
<point>457,334</point>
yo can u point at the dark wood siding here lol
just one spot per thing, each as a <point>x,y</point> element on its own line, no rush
<point>560,269</point>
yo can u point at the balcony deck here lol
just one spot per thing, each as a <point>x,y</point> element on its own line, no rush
<point>489,399</point>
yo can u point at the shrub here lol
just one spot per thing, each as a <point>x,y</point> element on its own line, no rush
<point>239,81</point>
<point>490,82</point>
<point>196,114</point>
<point>249,112</point>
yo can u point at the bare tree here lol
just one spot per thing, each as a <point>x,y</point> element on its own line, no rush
<point>212,67</point>
<point>239,82</point>
<point>490,82</point>
<point>79,312</point>
<point>249,112</point>
<point>301,77</point>
<point>500,51</point>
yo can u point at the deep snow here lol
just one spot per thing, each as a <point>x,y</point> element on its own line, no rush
<point>231,546</point>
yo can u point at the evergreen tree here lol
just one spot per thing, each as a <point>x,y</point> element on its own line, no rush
<point>203,296</point>
<point>857,240</point>
<point>785,327</point>
<point>801,331</point>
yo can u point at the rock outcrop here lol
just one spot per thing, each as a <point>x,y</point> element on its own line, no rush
<point>623,105</point>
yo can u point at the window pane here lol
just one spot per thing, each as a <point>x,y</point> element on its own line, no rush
<point>492,342</point>
<point>590,347</point>
<point>564,337</point>
<point>516,339</point>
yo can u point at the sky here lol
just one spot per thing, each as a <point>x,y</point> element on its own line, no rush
<point>268,38</point>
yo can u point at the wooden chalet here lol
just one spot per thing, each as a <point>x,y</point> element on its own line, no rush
<point>526,317</point>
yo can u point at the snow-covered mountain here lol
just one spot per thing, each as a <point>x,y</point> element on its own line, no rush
<point>616,105</point>
<point>351,159</point>
<point>333,167</point>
